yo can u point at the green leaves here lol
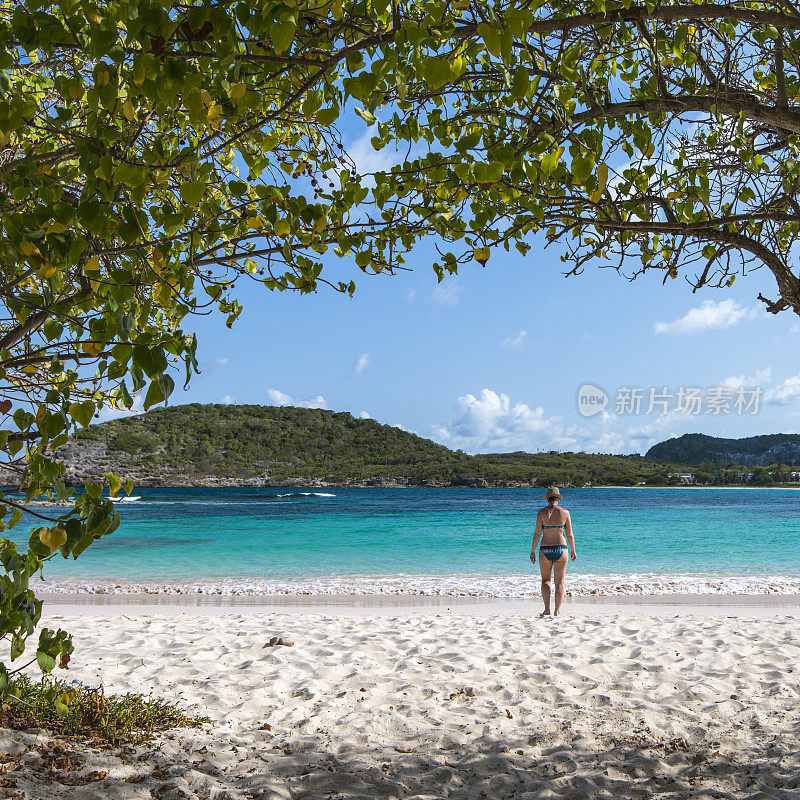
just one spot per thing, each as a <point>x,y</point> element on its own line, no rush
<point>192,193</point>
<point>161,151</point>
<point>481,254</point>
<point>54,648</point>
<point>151,359</point>
<point>487,174</point>
<point>600,184</point>
<point>439,71</point>
<point>92,217</point>
<point>581,167</point>
<point>282,35</point>
<point>45,661</point>
<point>82,413</point>
<point>158,391</point>
<point>114,483</point>
<point>550,160</point>
<point>520,82</point>
<point>491,38</point>
<point>367,116</point>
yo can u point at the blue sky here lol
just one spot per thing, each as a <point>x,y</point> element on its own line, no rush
<point>492,360</point>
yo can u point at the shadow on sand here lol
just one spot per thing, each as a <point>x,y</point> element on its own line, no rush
<point>259,765</point>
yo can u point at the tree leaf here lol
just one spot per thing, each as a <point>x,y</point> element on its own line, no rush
<point>114,483</point>
<point>282,35</point>
<point>154,396</point>
<point>82,413</point>
<point>45,661</point>
<point>550,160</point>
<point>367,116</point>
<point>481,254</point>
<point>192,193</point>
<point>581,167</point>
<point>237,92</point>
<point>491,38</point>
<point>151,359</point>
<point>436,71</point>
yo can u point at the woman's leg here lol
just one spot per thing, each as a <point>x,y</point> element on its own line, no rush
<point>560,568</point>
<point>546,568</point>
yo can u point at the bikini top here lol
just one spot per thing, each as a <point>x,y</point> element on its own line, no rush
<point>552,526</point>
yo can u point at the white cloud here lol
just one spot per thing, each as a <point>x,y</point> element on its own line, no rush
<point>364,415</point>
<point>367,159</point>
<point>491,422</point>
<point>228,400</point>
<point>108,413</point>
<point>212,366</point>
<point>279,398</point>
<point>735,382</point>
<point>709,315</point>
<point>784,393</point>
<point>446,294</point>
<point>362,362</point>
<point>515,341</point>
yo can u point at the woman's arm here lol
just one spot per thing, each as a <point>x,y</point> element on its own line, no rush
<point>537,534</point>
<point>570,537</point>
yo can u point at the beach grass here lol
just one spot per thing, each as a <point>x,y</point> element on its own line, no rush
<point>76,711</point>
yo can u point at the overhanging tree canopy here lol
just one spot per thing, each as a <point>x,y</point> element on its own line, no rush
<point>152,153</point>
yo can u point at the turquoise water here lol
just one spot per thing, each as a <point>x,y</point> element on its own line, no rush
<point>207,534</point>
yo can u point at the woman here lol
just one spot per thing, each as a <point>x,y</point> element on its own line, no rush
<point>554,527</point>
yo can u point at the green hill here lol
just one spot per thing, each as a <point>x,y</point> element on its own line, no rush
<point>754,451</point>
<point>214,445</point>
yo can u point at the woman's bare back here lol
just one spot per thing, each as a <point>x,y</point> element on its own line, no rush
<point>554,520</point>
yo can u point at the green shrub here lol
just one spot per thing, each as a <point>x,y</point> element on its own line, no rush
<point>72,710</point>
<point>132,442</point>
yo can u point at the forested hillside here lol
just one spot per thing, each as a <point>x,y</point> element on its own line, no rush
<point>264,445</point>
<point>754,451</point>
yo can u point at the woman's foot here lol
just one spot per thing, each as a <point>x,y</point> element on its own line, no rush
<point>545,613</point>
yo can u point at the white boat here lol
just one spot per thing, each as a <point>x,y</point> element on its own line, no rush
<point>132,499</point>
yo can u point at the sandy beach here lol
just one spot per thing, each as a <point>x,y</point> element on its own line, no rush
<point>415,702</point>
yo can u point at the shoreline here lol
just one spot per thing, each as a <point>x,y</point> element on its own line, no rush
<point>675,605</point>
<point>453,587</point>
<point>792,487</point>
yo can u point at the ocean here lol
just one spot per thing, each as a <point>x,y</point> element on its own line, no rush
<point>437,542</point>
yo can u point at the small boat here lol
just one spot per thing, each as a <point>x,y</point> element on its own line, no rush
<point>132,499</point>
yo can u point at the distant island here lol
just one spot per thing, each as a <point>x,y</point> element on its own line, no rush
<point>754,451</point>
<point>250,445</point>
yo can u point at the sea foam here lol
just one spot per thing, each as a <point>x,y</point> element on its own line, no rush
<point>489,586</point>
<point>306,494</point>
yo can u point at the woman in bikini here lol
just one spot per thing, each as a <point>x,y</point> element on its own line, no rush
<point>554,528</point>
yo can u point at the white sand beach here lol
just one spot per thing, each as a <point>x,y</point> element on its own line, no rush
<point>435,703</point>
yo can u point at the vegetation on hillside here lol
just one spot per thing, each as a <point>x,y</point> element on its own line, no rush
<point>699,449</point>
<point>284,445</point>
<point>579,469</point>
<point>297,444</point>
